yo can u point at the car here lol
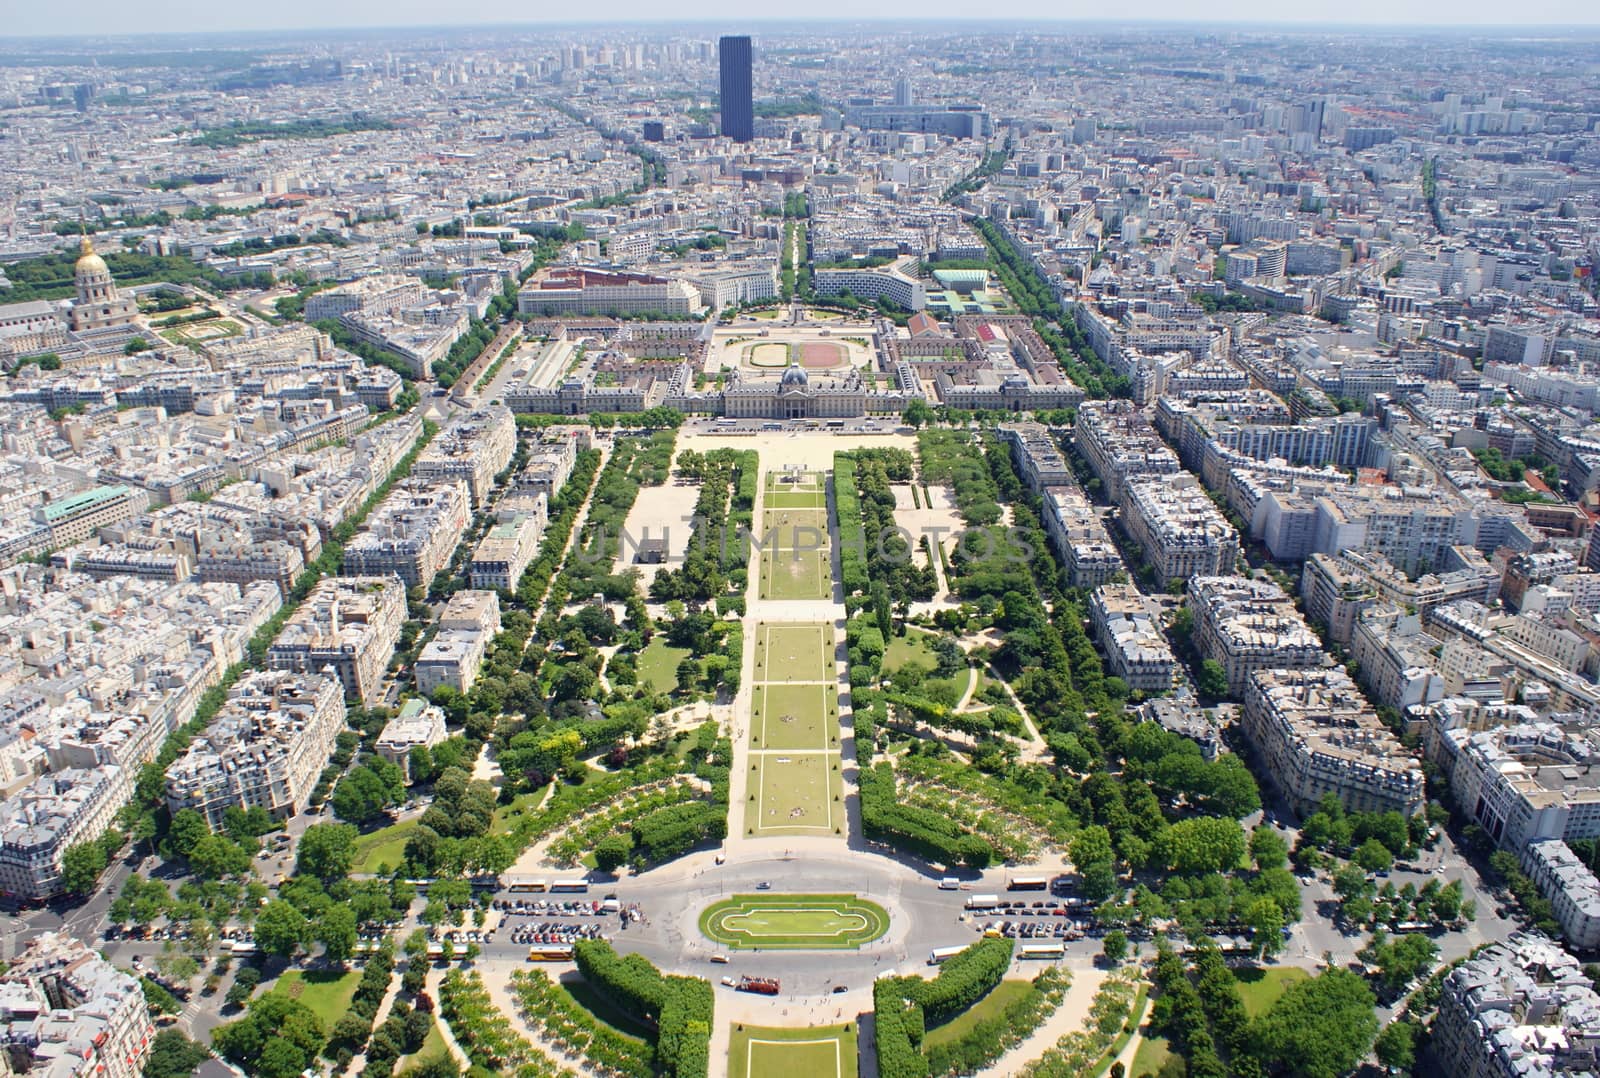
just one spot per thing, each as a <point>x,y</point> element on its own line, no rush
<point>764,886</point>
<point>838,988</point>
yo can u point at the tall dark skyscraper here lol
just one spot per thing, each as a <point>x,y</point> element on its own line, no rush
<point>738,106</point>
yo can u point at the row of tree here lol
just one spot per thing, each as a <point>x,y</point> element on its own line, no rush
<point>680,1008</point>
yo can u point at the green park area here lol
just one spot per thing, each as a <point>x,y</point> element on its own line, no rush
<point>794,922</point>
<point>327,992</point>
<point>382,850</point>
<point>822,1052</point>
<point>796,786</point>
<point>658,665</point>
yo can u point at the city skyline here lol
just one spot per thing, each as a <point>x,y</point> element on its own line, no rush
<point>165,17</point>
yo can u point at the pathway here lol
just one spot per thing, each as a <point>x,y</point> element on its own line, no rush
<point>1068,1018</point>
<point>358,1065</point>
<point>430,985</point>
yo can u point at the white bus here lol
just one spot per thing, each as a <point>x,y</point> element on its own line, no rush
<point>983,902</point>
<point>943,954</point>
<point>1028,883</point>
<point>579,886</point>
<point>1042,950</point>
<point>526,884</point>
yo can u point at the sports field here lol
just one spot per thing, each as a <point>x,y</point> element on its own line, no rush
<point>822,1052</point>
<point>794,922</point>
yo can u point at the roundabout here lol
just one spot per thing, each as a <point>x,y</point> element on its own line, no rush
<point>794,922</point>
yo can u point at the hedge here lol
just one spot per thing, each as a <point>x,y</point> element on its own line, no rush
<point>680,1007</point>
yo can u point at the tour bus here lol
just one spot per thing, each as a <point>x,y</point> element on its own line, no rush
<point>983,902</point>
<point>578,886</point>
<point>486,881</point>
<point>943,954</point>
<point>1028,883</point>
<point>551,952</point>
<point>1042,950</point>
<point>526,884</point>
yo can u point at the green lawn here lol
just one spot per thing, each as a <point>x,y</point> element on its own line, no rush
<point>433,1047</point>
<point>794,717</point>
<point>327,992</point>
<point>1151,1055</point>
<point>991,1006</point>
<point>914,647</point>
<point>808,481</point>
<point>794,653</point>
<point>795,499</point>
<point>796,794</point>
<point>796,574</point>
<point>794,922</point>
<point>1260,988</point>
<point>789,529</point>
<point>820,1052</point>
<point>658,664</point>
<point>385,847</point>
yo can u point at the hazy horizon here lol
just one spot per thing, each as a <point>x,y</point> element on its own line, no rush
<point>95,18</point>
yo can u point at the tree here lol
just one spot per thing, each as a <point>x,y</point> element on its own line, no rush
<point>216,856</point>
<point>336,931</point>
<point>81,866</point>
<point>280,1059</point>
<point>244,985</point>
<point>1374,856</point>
<point>611,852</point>
<point>1115,945</point>
<point>281,929</point>
<point>188,828</point>
<point>1268,849</point>
<point>327,850</point>
<point>1319,1028</point>
<point>1266,925</point>
<point>172,1055</point>
<point>1397,1045</point>
<point>1212,679</point>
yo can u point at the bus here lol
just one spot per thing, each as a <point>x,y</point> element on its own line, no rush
<point>486,881</point>
<point>578,886</point>
<point>941,955</point>
<point>1028,883</point>
<point>1042,950</point>
<point>551,952</point>
<point>983,902</point>
<point>526,884</point>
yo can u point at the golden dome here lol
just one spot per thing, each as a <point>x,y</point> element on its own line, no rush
<point>88,261</point>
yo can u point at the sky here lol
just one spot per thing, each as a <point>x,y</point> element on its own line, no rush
<point>120,17</point>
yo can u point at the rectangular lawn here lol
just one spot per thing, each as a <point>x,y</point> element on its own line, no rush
<point>794,653</point>
<point>789,574</point>
<point>827,1052</point>
<point>796,499</point>
<point>794,793</point>
<point>794,716</point>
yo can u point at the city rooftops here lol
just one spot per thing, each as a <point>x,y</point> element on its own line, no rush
<point>58,509</point>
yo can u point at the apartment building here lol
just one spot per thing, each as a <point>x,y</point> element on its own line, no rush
<point>412,532</point>
<point>379,294</point>
<point>1315,735</point>
<point>1136,650</point>
<point>42,820</point>
<point>1119,444</point>
<point>549,464</point>
<point>1339,585</point>
<point>511,543</point>
<point>73,519</point>
<point>1522,781</point>
<point>473,448</point>
<point>1397,658</point>
<point>466,628</point>
<point>1181,532</point>
<point>1520,1007</point>
<point>1570,887</point>
<point>349,625</point>
<point>1075,529</point>
<point>1248,624</point>
<point>1037,455</point>
<point>66,1012</point>
<point>265,748</point>
<point>419,724</point>
<point>565,290</point>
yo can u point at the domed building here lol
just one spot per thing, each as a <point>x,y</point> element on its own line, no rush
<point>99,304</point>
